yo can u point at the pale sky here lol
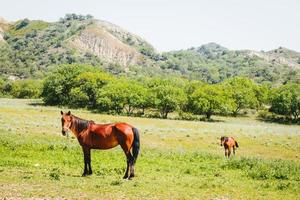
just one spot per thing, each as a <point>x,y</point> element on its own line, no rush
<point>181,24</point>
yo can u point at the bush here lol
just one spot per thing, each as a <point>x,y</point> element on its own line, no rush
<point>266,115</point>
<point>187,116</point>
<point>58,85</point>
<point>55,174</point>
<point>285,100</point>
<point>122,96</point>
<point>25,89</point>
<point>78,98</point>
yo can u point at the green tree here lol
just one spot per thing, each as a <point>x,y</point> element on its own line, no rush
<point>2,83</point>
<point>285,100</point>
<point>243,92</point>
<point>210,100</point>
<point>58,84</point>
<point>86,86</point>
<point>7,88</point>
<point>168,98</point>
<point>78,98</point>
<point>22,24</point>
<point>122,95</point>
<point>262,93</point>
<point>189,89</point>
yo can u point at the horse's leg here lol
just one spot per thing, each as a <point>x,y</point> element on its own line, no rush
<point>87,161</point>
<point>229,152</point>
<point>90,172</point>
<point>234,150</point>
<point>127,168</point>
<point>129,159</point>
<point>130,167</point>
<point>226,152</point>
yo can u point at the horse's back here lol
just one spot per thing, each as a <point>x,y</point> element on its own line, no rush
<point>105,136</point>
<point>101,128</point>
<point>124,127</point>
<point>231,142</point>
<point>100,136</point>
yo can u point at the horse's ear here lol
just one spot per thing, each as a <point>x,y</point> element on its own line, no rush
<point>69,113</point>
<point>61,112</point>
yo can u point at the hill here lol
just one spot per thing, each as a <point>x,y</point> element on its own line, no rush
<point>30,48</point>
<point>214,63</point>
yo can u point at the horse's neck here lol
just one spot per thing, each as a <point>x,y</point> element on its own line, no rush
<point>74,131</point>
<point>74,125</point>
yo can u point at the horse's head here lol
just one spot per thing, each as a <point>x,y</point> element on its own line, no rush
<point>222,140</point>
<point>66,122</point>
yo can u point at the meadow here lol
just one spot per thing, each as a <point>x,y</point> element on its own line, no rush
<point>178,160</point>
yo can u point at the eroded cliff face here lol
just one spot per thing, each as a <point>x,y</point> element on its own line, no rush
<point>122,34</point>
<point>1,35</point>
<point>106,46</point>
<point>3,26</point>
<point>279,56</point>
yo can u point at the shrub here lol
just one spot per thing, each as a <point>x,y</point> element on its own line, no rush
<point>78,98</point>
<point>27,89</point>
<point>187,116</point>
<point>285,100</point>
<point>55,174</point>
<point>58,85</point>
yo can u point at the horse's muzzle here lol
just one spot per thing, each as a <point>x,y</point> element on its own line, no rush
<point>63,132</point>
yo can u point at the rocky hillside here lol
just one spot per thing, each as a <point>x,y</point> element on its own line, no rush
<point>30,48</point>
<point>214,63</point>
<point>4,25</point>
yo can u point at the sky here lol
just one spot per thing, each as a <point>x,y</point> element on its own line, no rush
<point>181,24</point>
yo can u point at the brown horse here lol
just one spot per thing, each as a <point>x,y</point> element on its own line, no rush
<point>229,144</point>
<point>103,136</point>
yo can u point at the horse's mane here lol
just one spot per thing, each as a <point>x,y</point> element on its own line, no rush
<point>225,138</point>
<point>80,124</point>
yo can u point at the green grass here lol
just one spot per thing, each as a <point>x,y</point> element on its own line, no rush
<point>178,160</point>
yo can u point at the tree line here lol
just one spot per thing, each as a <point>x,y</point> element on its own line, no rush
<point>83,86</point>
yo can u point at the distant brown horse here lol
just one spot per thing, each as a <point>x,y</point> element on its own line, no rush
<point>229,144</point>
<point>103,136</point>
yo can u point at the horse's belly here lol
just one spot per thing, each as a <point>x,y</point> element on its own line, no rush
<point>104,145</point>
<point>102,142</point>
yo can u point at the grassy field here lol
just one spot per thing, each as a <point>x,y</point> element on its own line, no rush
<point>178,160</point>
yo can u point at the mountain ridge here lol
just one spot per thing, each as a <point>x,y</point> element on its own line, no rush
<point>29,48</point>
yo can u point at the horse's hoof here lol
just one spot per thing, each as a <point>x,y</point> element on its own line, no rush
<point>131,176</point>
<point>125,177</point>
<point>84,175</point>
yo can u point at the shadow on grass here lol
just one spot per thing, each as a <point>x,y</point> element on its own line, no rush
<point>157,116</point>
<point>37,104</point>
<point>279,120</point>
<point>203,119</point>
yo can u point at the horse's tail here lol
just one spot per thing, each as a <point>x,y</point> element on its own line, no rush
<point>136,144</point>
<point>236,144</point>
